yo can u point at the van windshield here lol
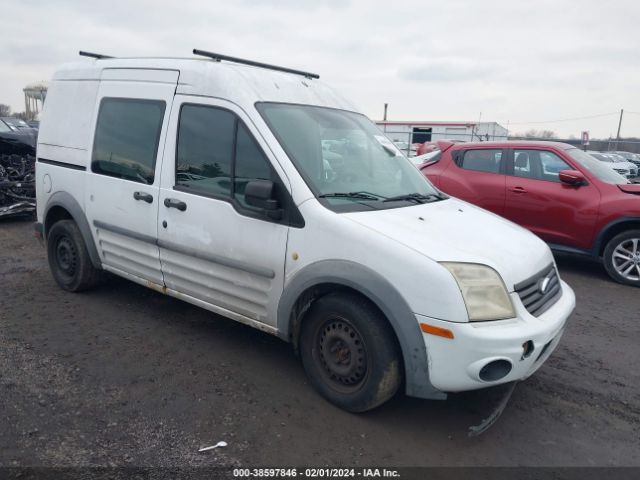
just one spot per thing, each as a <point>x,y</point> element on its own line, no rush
<point>345,160</point>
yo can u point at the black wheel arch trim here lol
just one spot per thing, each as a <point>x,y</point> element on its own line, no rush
<point>379,291</point>
<point>71,205</point>
<point>599,245</point>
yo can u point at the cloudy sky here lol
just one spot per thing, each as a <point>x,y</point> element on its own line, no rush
<point>521,63</point>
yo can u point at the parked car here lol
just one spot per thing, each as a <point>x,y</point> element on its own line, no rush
<point>616,163</point>
<point>432,156</point>
<point>16,142</point>
<point>629,157</point>
<point>17,165</point>
<point>15,123</point>
<point>562,194</point>
<point>620,160</point>
<point>427,147</point>
<point>407,149</point>
<point>205,180</point>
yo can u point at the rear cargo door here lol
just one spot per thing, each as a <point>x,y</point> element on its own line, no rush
<point>123,178</point>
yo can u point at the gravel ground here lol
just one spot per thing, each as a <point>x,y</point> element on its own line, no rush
<point>123,375</point>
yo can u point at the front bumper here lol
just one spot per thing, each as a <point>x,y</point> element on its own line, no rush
<point>455,364</point>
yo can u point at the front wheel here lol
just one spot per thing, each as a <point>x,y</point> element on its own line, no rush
<point>350,352</point>
<point>622,258</point>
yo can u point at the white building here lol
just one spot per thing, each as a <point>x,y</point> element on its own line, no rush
<point>411,132</point>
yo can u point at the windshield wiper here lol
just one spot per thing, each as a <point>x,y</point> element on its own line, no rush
<point>358,195</point>
<point>416,197</point>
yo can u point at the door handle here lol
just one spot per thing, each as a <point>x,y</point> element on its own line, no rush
<point>145,197</point>
<point>518,190</point>
<point>173,203</point>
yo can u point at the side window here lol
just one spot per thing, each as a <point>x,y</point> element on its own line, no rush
<point>204,154</point>
<point>538,165</point>
<point>522,163</point>
<point>126,140</point>
<point>216,155</point>
<point>484,160</point>
<point>250,164</point>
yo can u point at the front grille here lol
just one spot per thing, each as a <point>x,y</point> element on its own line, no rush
<point>621,171</point>
<point>536,299</point>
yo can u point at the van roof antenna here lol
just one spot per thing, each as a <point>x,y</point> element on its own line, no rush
<point>218,57</point>
<point>99,56</point>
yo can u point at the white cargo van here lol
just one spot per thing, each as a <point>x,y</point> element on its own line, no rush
<point>259,193</point>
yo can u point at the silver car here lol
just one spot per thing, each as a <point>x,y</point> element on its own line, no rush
<point>616,163</point>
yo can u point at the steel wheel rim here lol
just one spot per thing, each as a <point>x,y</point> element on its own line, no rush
<point>66,256</point>
<point>342,354</point>
<point>626,259</point>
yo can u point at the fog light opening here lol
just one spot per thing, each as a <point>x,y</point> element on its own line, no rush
<point>495,370</point>
<point>544,349</point>
<point>527,349</point>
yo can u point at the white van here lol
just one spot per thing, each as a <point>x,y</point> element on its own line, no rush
<point>260,194</point>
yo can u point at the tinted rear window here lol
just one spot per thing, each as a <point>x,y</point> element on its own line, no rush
<point>484,160</point>
<point>126,141</point>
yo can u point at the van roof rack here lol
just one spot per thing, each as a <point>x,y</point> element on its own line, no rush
<point>99,56</point>
<point>218,57</point>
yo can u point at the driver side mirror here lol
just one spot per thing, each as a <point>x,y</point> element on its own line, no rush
<point>261,194</point>
<point>574,178</point>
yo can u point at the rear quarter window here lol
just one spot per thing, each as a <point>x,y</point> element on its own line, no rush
<point>481,160</point>
<point>126,140</point>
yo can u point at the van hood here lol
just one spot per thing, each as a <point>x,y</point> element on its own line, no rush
<point>455,231</point>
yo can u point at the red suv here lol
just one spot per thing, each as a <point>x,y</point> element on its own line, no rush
<point>562,194</point>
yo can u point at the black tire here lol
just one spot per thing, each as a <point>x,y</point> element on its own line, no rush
<point>69,259</point>
<point>614,258</point>
<point>350,353</point>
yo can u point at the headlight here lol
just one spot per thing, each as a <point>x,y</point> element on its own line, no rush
<point>483,291</point>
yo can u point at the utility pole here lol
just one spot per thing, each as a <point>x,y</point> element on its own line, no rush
<point>384,117</point>
<point>619,125</point>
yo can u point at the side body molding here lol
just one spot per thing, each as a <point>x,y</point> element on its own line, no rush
<point>71,205</point>
<point>388,300</point>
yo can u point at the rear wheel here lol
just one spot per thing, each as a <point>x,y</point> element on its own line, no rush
<point>69,259</point>
<point>622,258</point>
<point>350,353</point>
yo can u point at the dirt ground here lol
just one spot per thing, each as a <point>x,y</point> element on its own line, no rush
<point>123,375</point>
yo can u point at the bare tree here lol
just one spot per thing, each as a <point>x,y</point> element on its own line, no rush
<point>540,134</point>
<point>548,134</point>
<point>5,110</point>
